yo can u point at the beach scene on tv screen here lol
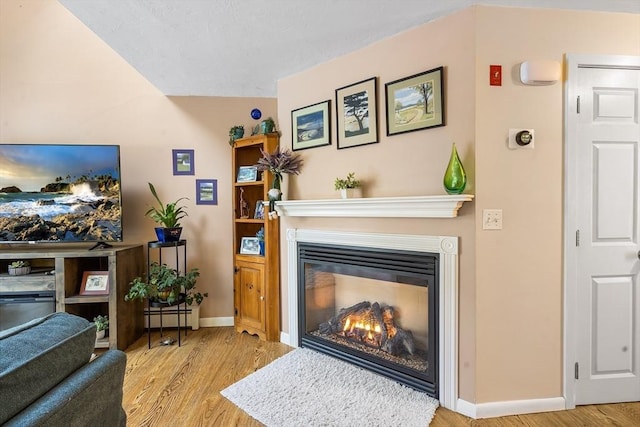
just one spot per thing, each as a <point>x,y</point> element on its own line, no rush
<point>60,193</point>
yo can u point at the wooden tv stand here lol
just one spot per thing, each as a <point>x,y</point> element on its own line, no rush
<point>60,267</point>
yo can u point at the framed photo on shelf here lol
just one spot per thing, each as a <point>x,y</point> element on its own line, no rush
<point>250,246</point>
<point>259,212</point>
<point>415,102</point>
<point>247,174</point>
<point>206,191</point>
<point>95,283</point>
<point>311,126</point>
<point>357,114</point>
<point>183,162</point>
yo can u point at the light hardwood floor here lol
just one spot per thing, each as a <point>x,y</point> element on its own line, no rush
<point>179,386</point>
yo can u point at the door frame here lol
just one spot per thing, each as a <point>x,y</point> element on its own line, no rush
<point>572,64</point>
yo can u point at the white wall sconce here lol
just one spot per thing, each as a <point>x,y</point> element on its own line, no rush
<point>541,72</point>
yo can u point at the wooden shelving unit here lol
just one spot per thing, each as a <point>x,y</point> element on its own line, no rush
<point>256,277</point>
<point>64,266</point>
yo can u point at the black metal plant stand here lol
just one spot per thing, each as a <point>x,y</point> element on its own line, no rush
<point>181,298</point>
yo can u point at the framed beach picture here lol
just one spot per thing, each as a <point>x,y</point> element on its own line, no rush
<point>183,162</point>
<point>95,283</point>
<point>415,102</point>
<point>356,113</point>
<point>206,191</point>
<point>311,126</point>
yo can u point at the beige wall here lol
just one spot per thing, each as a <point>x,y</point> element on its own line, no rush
<point>510,280</point>
<point>60,83</point>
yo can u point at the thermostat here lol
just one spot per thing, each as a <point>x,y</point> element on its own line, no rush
<point>521,138</point>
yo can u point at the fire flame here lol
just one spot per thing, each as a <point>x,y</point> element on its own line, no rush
<point>367,331</point>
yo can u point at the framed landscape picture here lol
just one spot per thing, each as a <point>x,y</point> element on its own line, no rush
<point>357,115</point>
<point>183,162</point>
<point>311,126</point>
<point>415,102</point>
<point>95,283</point>
<point>206,191</point>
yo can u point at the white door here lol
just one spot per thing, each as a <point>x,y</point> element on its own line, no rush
<point>604,186</point>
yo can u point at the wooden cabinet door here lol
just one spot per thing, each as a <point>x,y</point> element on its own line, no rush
<point>249,297</point>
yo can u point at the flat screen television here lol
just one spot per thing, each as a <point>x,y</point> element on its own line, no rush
<point>60,193</point>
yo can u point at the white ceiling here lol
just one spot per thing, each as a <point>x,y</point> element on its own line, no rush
<point>243,47</point>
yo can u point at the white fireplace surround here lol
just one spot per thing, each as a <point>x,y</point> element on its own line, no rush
<point>446,246</point>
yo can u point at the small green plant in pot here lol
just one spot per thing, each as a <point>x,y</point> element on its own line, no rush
<point>19,268</point>
<point>102,324</point>
<point>169,216</point>
<point>267,125</point>
<point>349,186</point>
<point>236,132</point>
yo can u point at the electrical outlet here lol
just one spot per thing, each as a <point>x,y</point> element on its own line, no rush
<point>492,219</point>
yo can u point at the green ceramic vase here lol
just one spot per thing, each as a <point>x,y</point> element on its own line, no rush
<point>455,180</point>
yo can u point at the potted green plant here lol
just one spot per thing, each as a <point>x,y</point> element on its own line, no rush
<point>166,285</point>
<point>236,132</point>
<point>102,324</point>
<point>267,125</point>
<point>168,216</point>
<point>19,268</point>
<point>348,187</point>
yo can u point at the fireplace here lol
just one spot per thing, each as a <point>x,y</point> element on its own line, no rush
<point>373,307</point>
<point>446,247</point>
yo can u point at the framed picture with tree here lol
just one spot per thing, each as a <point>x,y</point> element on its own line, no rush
<point>357,115</point>
<point>415,102</point>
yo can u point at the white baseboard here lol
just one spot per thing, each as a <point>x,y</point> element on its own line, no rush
<point>214,322</point>
<point>286,339</point>
<point>170,321</point>
<point>509,407</point>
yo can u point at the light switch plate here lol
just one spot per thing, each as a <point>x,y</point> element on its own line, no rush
<point>492,219</point>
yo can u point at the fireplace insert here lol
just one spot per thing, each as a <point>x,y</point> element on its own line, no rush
<point>375,308</point>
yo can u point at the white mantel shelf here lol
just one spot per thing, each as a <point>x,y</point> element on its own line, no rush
<point>444,206</point>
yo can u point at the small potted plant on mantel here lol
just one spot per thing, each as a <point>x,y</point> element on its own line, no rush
<point>168,216</point>
<point>349,187</point>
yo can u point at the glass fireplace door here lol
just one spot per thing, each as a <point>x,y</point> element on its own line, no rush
<point>378,314</point>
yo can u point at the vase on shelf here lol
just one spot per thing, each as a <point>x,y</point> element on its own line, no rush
<point>455,179</point>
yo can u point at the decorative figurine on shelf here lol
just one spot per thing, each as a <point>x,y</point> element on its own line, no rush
<point>244,206</point>
<point>260,237</point>
<point>278,163</point>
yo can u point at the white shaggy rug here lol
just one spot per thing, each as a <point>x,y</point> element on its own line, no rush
<point>307,388</point>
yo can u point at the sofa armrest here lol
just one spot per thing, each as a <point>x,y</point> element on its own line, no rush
<point>90,396</point>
